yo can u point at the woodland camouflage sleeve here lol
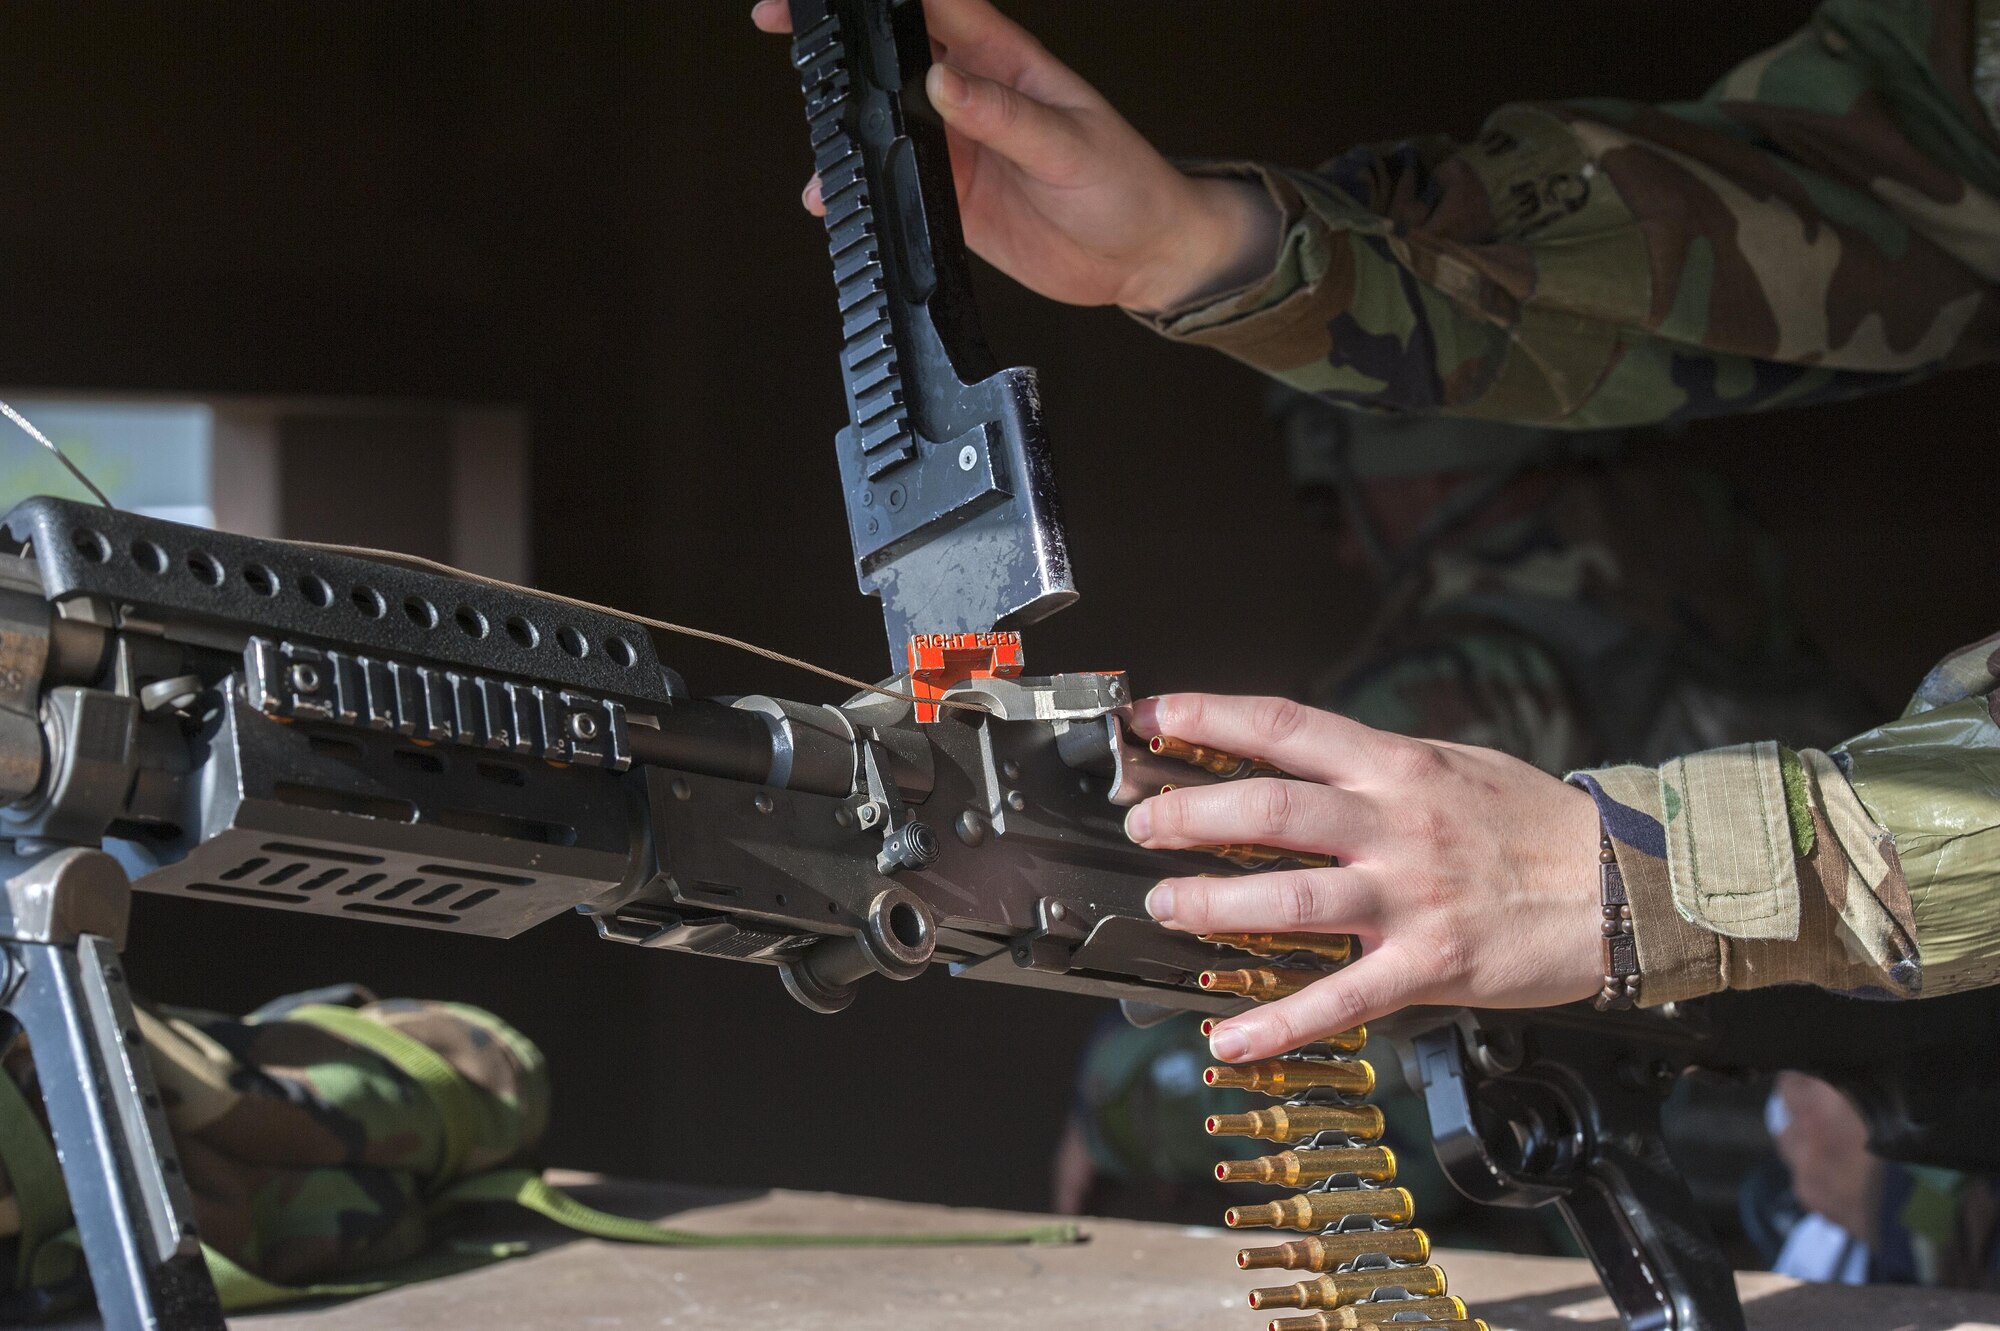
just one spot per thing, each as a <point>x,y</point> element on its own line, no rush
<point>1874,868</point>
<point>1824,223</point>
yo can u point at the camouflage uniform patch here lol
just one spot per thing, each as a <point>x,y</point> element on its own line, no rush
<point>310,1157</point>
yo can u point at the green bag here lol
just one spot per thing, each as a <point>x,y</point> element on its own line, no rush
<point>331,1142</point>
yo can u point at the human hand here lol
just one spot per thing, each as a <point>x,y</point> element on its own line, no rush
<point>1057,189</point>
<point>1823,1140</point>
<point>1469,877</point>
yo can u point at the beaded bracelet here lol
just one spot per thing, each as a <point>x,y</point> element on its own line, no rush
<point>1621,949</point>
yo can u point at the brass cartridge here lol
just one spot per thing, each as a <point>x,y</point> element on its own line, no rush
<point>1262,857</point>
<point>1264,985</point>
<point>1289,1076</point>
<point>1330,1252</point>
<point>1338,1291</point>
<point>1345,1042</point>
<point>1310,1211</point>
<point>1450,1311</point>
<point>1213,761</point>
<point>1297,1169</point>
<point>1327,947</point>
<point>1291,1123</point>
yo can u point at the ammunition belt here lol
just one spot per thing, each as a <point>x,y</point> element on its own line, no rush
<point>1368,1265</point>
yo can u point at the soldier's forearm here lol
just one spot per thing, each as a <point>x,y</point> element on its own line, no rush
<point>1599,264</point>
<point>1875,867</point>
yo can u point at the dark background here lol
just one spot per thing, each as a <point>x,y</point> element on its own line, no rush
<point>590,210</point>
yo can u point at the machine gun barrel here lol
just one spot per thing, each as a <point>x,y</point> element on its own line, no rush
<point>711,738</point>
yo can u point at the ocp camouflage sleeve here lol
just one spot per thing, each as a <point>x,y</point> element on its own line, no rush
<point>1873,869</point>
<point>310,1156</point>
<point>1824,223</point>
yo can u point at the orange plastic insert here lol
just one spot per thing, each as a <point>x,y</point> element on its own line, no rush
<point>940,660</point>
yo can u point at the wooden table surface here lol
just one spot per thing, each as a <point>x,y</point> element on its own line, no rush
<point>1126,1277</point>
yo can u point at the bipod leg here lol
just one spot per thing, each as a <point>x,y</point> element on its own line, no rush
<point>62,921</point>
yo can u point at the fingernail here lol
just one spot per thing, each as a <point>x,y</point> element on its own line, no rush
<point>949,86</point>
<point>1229,1044</point>
<point>1160,903</point>
<point>1139,823</point>
<point>1146,717</point>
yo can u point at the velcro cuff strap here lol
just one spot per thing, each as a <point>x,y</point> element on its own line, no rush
<point>1729,842</point>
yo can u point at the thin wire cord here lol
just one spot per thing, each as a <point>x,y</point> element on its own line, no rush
<point>62,457</point>
<point>433,566</point>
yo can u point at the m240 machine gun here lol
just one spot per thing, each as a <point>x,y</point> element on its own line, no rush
<point>285,727</point>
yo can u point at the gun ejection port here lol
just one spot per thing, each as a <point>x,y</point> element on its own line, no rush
<point>968,458</point>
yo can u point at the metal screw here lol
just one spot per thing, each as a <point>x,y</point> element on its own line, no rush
<point>1011,770</point>
<point>895,497</point>
<point>968,458</point>
<point>681,789</point>
<point>305,678</point>
<point>867,499</point>
<point>971,827</point>
<point>843,817</point>
<point>874,525</point>
<point>583,725</point>
<point>1058,911</point>
<point>1016,801</point>
<point>869,814</point>
<point>764,802</point>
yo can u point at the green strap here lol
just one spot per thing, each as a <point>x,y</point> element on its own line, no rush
<point>525,1188</point>
<point>241,1290</point>
<point>450,1094</point>
<point>36,1178</point>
